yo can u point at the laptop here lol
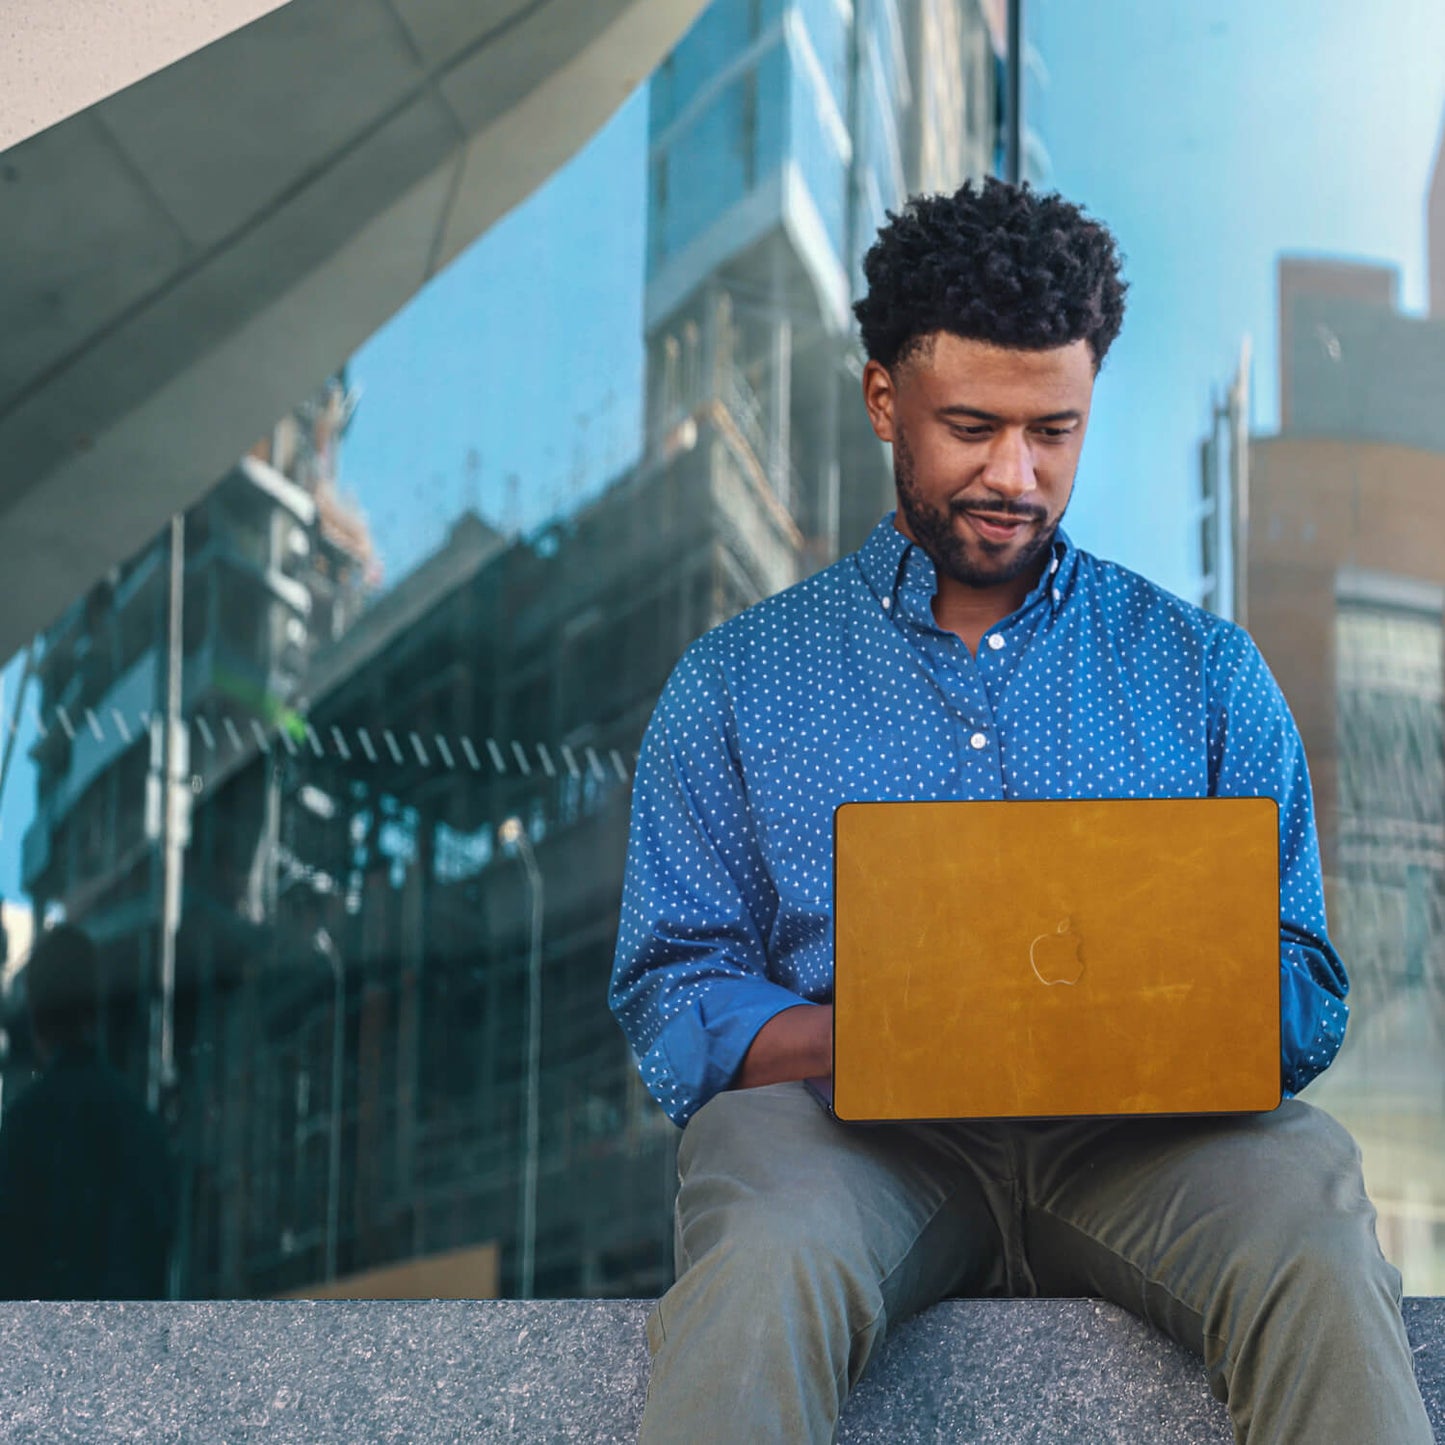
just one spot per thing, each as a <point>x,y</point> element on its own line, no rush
<point>1008,960</point>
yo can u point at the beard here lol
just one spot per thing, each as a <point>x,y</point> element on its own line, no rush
<point>977,563</point>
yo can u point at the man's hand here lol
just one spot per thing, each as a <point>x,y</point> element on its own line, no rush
<point>795,1044</point>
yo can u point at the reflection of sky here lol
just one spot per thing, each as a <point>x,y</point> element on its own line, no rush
<point>526,351</point>
<point>18,804</point>
<point>1210,135</point>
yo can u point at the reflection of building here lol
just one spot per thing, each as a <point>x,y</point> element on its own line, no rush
<point>1346,586</point>
<point>352,1022</point>
<point>1353,366</point>
<point>354,944</point>
<point>498,680</point>
<point>781,132</point>
<point>516,679</point>
<point>1345,594</point>
<point>1223,496</point>
<point>17,931</point>
<point>274,565</point>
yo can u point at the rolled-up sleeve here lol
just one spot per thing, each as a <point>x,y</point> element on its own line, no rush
<point>690,983</point>
<point>1255,750</point>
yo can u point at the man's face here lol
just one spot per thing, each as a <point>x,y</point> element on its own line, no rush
<point>986,442</point>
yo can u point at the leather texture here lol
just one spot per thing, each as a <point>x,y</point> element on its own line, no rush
<point>1056,959</point>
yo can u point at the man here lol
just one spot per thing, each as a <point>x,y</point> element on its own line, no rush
<point>86,1193</point>
<point>968,650</point>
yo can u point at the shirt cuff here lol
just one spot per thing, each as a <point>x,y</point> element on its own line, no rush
<point>1314,1028</point>
<point>699,1050</point>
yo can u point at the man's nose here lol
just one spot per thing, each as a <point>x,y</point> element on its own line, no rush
<point>1010,468</point>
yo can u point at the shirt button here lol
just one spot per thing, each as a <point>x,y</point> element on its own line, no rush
<point>887,603</point>
<point>1053,566</point>
<point>1057,594</point>
<point>978,740</point>
<point>995,641</point>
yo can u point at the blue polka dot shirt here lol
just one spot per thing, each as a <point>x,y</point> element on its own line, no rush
<point>1101,685</point>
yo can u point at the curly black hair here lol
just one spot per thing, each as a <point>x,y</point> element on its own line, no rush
<point>997,263</point>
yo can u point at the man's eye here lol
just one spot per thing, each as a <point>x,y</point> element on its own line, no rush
<point>970,433</point>
<point>1055,433</point>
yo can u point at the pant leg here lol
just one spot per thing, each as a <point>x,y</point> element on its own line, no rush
<point>799,1239</point>
<point>1249,1239</point>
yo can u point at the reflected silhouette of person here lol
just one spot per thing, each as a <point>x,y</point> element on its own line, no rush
<point>86,1180</point>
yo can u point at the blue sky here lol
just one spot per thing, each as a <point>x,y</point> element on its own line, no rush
<point>526,351</point>
<point>1210,134</point>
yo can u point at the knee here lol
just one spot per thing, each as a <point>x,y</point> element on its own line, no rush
<point>759,1236</point>
<point>1332,1253</point>
<point>771,1248</point>
<point>747,1206</point>
<point>1326,1203</point>
<point>1318,1231</point>
<point>787,1311</point>
<point>785,1275</point>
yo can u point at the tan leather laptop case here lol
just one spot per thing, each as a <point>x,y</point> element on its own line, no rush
<point>1030,959</point>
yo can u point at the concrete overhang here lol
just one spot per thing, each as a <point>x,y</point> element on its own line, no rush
<point>58,58</point>
<point>182,261</point>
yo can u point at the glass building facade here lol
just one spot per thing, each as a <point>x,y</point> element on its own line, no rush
<point>1331,529</point>
<point>349,1083</point>
<point>337,766</point>
<point>779,136</point>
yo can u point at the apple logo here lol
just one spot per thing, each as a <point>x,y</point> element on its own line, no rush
<point>1054,956</point>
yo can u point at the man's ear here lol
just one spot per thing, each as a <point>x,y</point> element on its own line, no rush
<point>880,397</point>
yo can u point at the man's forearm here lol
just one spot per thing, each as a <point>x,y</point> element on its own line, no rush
<point>794,1044</point>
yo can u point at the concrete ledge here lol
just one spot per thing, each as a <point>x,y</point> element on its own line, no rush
<point>985,1372</point>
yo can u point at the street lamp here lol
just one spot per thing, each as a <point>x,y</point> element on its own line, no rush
<point>327,945</point>
<point>513,838</point>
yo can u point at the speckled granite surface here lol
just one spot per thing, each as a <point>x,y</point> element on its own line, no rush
<point>1045,1372</point>
<point>987,1373</point>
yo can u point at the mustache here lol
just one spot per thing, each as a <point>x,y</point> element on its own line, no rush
<point>992,508</point>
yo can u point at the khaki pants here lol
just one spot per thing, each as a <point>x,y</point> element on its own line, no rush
<point>1247,1238</point>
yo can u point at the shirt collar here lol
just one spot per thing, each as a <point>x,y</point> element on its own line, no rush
<point>892,567</point>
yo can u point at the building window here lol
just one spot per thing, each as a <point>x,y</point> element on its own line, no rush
<point>662,88</point>
<point>748,131</point>
<point>659,230</point>
<point>1389,692</point>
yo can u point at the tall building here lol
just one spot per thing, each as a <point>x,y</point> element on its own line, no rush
<point>781,133</point>
<point>515,680</point>
<point>1310,290</point>
<point>1346,594</point>
<point>1351,365</point>
<point>274,565</point>
<point>357,1091</point>
<point>503,680</point>
<point>360,1088</point>
<point>1339,529</point>
<point>1224,496</point>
